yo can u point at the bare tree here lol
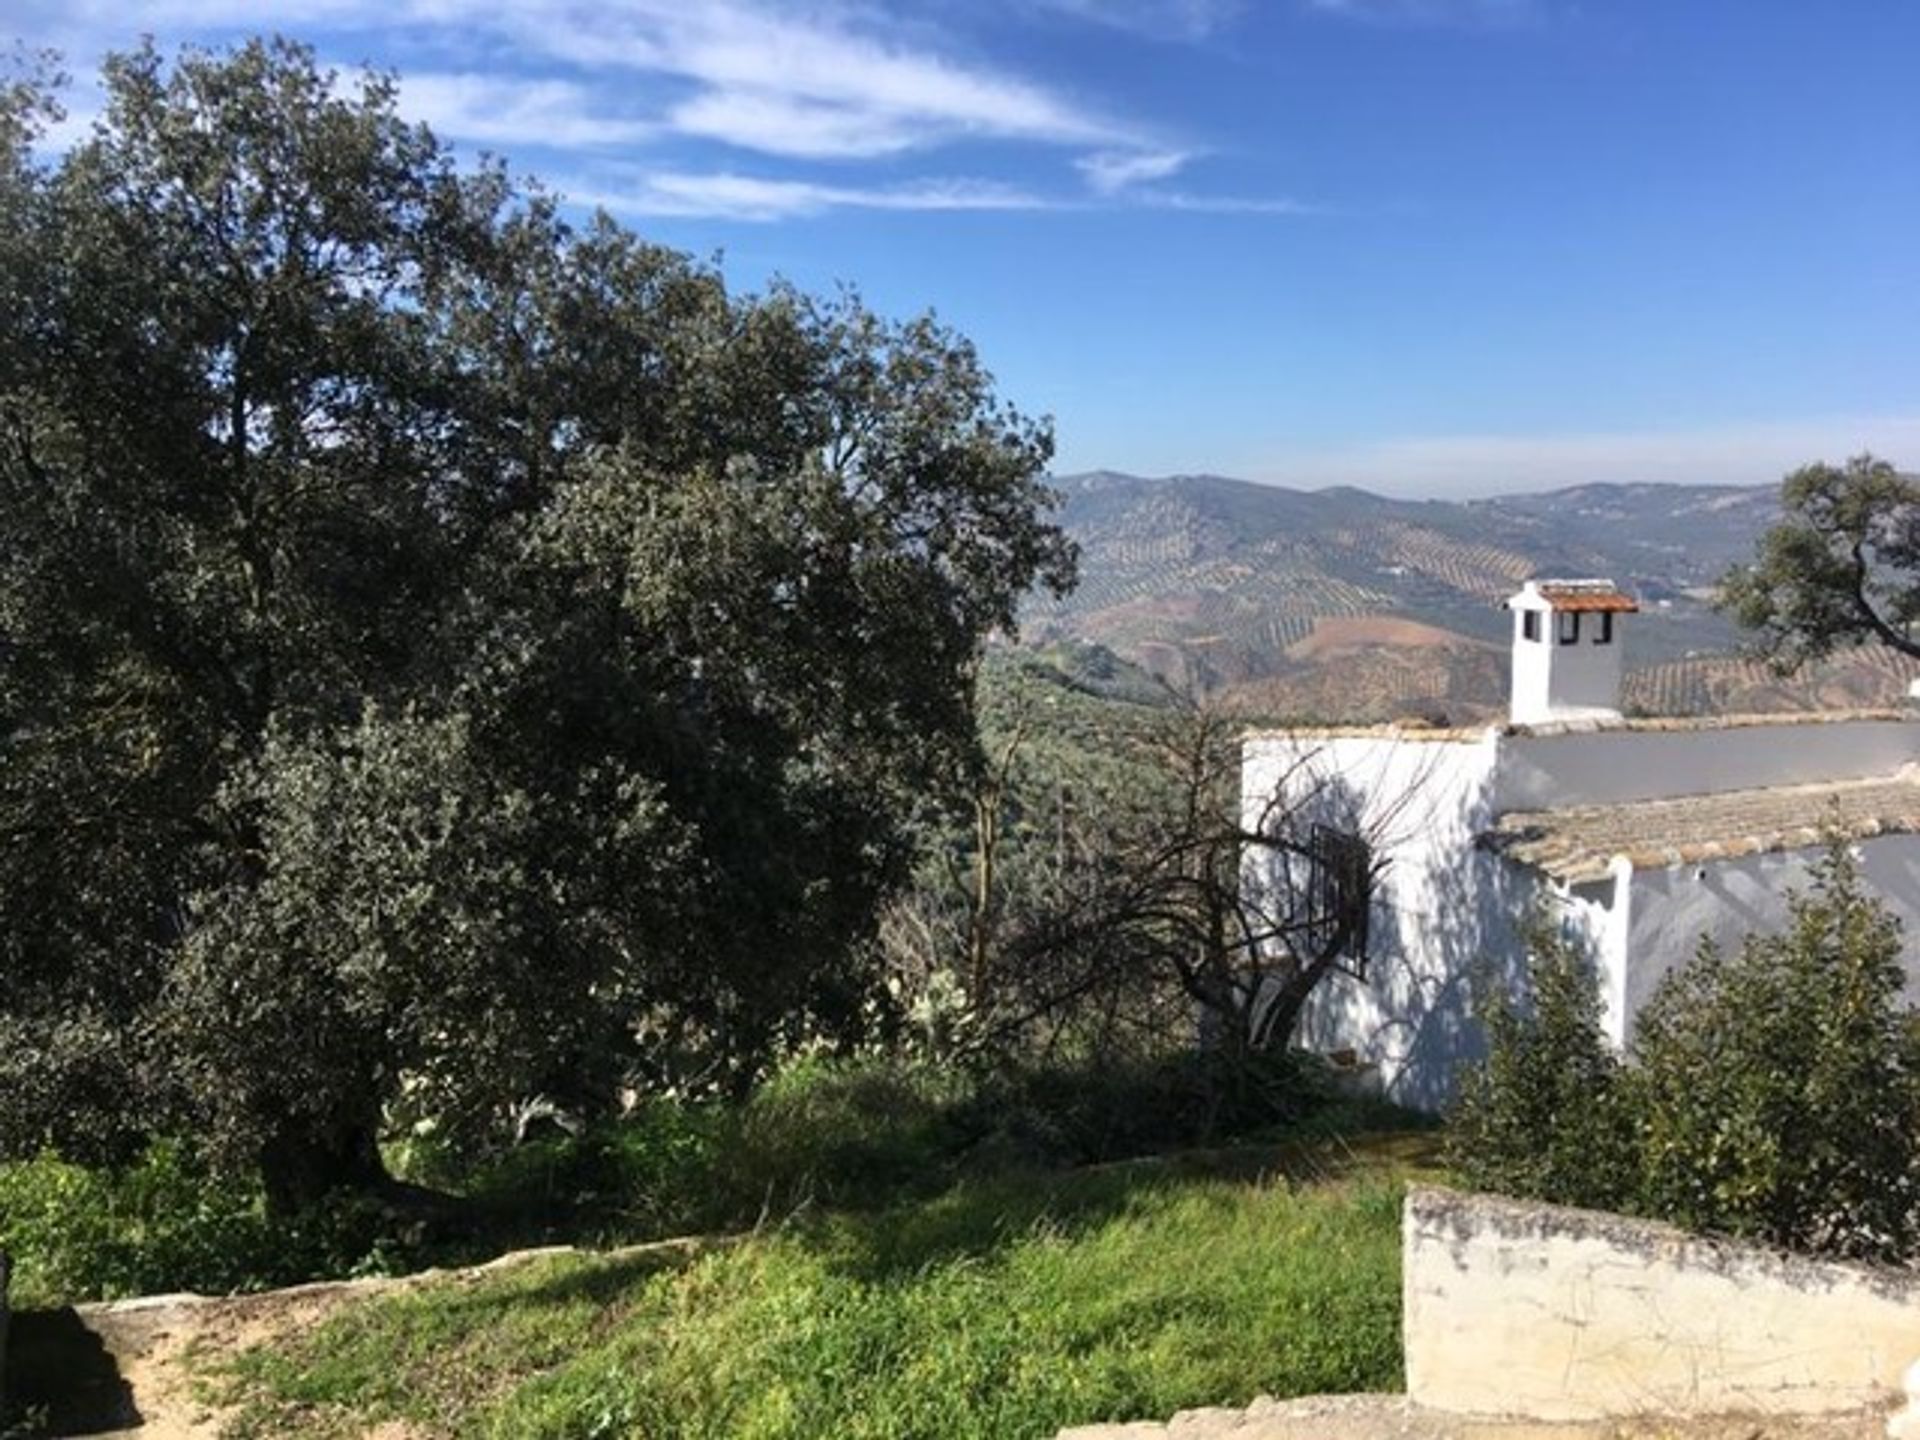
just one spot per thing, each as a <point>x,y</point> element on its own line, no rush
<point>1171,891</point>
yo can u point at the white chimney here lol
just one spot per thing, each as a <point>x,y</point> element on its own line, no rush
<point>1566,650</point>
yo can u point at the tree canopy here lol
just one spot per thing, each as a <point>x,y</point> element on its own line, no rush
<point>1842,567</point>
<point>445,652</point>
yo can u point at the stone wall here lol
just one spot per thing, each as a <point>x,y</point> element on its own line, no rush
<point>1556,1314</point>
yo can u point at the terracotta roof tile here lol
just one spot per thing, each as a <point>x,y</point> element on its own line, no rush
<point>1576,843</point>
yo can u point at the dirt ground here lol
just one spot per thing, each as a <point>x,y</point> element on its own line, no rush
<point>1391,1417</point>
<point>120,1368</point>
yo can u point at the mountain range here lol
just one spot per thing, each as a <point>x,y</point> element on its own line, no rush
<point>1340,604</point>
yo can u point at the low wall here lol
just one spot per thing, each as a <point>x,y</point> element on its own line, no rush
<point>1556,1314</point>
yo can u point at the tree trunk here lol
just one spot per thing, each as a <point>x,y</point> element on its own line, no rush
<point>303,1164</point>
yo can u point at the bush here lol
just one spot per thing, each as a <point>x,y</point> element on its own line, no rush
<point>841,1132</point>
<point>1100,1111</point>
<point>1773,1094</point>
<point>1543,1115</point>
<point>1777,1095</point>
<point>165,1222</point>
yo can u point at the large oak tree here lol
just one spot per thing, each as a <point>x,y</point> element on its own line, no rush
<point>445,653</point>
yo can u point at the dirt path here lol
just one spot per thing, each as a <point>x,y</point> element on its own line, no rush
<point>121,1368</point>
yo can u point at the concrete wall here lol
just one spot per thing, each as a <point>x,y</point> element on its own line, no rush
<point>1537,772</point>
<point>1556,1314</point>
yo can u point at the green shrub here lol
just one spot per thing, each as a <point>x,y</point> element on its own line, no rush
<point>648,1173</point>
<point>1542,1116</point>
<point>844,1134</point>
<point>1773,1092</point>
<point>1776,1094</point>
<point>165,1222</point>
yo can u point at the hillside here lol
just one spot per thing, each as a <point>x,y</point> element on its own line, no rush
<point>1343,604</point>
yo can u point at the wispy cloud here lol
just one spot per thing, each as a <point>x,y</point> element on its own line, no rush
<point>504,110</point>
<point>1187,20</point>
<point>812,82</point>
<point>747,197</point>
<point>619,87</point>
<point>1110,171</point>
<point>1193,204</point>
<point>1464,13</point>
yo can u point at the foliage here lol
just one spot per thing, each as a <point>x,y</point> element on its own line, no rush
<point>1841,568</point>
<point>845,1134</point>
<point>1543,1115</point>
<point>1773,1092</point>
<point>1000,1309</point>
<point>165,1223</point>
<point>446,655</point>
<point>1777,1089</point>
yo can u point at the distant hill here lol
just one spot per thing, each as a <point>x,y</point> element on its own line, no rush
<point>1341,604</point>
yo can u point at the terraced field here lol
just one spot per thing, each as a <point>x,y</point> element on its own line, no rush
<point>1214,584</point>
<point>1873,675</point>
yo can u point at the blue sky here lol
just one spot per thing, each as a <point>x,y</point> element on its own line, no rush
<point>1431,247</point>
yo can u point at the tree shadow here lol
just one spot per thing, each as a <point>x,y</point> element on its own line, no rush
<point>60,1371</point>
<point>981,1217</point>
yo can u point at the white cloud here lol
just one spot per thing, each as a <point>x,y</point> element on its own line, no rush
<point>1188,20</point>
<point>749,197</point>
<point>1108,171</point>
<point>1470,465</point>
<point>503,110</point>
<point>839,80</point>
<point>1226,204</point>
<point>835,74</point>
<point>1472,13</point>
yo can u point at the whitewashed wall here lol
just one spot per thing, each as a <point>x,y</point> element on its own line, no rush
<point>1672,908</point>
<point>1447,917</point>
<point>1550,1314</point>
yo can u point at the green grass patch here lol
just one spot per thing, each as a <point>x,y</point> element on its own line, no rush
<point>1000,1308</point>
<point>822,1135</point>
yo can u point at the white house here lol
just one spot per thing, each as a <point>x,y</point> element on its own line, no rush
<point>1636,836</point>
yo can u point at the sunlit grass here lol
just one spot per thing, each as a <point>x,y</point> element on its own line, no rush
<point>999,1309</point>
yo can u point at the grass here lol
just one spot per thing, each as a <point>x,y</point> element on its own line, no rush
<point>842,1135</point>
<point>1007,1308</point>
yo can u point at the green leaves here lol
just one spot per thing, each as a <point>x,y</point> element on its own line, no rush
<point>440,646</point>
<point>1842,568</point>
<point>1773,1092</point>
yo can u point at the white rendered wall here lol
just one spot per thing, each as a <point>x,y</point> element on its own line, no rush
<point>1672,908</point>
<point>1577,680</point>
<point>1538,772</point>
<point>1447,918</point>
<point>1530,696</point>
